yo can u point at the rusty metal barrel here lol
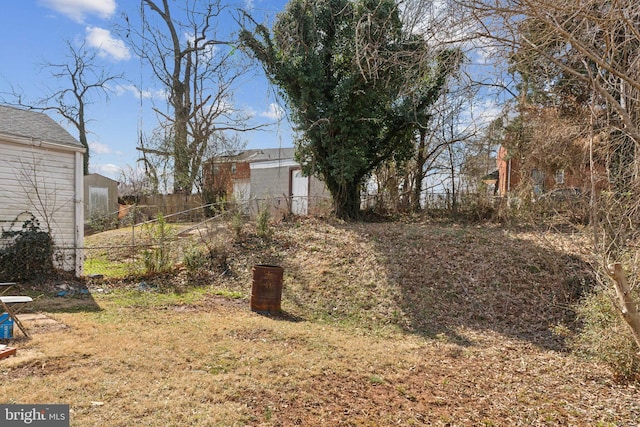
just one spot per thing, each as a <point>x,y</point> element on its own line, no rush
<point>266,288</point>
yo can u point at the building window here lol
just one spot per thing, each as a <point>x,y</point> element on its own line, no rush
<point>233,168</point>
<point>560,176</point>
<point>537,177</point>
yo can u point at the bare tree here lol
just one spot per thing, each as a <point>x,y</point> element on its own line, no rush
<point>134,182</point>
<point>80,78</point>
<point>199,72</point>
<point>593,42</point>
<point>401,184</point>
<point>583,57</point>
<point>443,133</point>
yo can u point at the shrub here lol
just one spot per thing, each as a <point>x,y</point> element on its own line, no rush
<point>263,228</point>
<point>477,207</point>
<point>606,337</point>
<point>100,223</point>
<point>157,259</point>
<point>218,253</point>
<point>194,259</point>
<point>211,257</point>
<point>237,224</point>
<point>29,255</point>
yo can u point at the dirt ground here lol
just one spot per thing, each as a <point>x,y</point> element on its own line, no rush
<point>384,324</point>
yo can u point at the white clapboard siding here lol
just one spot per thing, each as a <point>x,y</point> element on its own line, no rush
<point>41,182</point>
<point>41,174</point>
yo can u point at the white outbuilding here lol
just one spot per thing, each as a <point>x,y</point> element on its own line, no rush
<point>41,174</point>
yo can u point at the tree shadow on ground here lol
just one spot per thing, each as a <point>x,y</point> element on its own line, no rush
<point>518,284</point>
<point>63,295</point>
<point>283,316</point>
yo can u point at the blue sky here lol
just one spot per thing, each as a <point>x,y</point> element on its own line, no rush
<point>35,32</point>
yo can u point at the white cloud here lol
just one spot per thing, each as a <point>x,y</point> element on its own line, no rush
<point>480,113</point>
<point>79,9</point>
<point>274,112</point>
<point>209,51</point>
<point>135,91</point>
<point>98,148</point>
<point>250,112</point>
<point>488,111</point>
<point>107,46</point>
<point>108,169</point>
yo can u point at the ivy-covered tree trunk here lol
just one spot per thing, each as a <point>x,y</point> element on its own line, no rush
<point>346,198</point>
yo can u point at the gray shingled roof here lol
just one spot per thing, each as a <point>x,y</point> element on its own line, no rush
<point>33,124</point>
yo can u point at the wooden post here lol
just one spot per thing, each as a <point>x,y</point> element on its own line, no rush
<point>627,305</point>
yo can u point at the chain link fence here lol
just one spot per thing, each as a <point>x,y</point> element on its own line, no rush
<point>146,239</point>
<point>158,233</point>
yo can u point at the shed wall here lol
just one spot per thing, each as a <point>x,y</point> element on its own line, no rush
<point>99,181</point>
<point>269,189</point>
<point>42,182</point>
<point>319,196</point>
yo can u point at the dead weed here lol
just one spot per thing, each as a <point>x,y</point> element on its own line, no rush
<point>384,324</point>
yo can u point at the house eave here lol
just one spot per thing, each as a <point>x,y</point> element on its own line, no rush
<point>35,142</point>
<point>274,164</point>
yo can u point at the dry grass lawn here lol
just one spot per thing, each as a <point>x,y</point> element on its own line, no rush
<point>403,323</point>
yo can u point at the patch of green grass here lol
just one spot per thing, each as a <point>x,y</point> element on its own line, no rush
<point>222,365</point>
<point>65,305</point>
<point>151,297</point>
<point>375,379</point>
<point>148,295</point>
<point>113,269</point>
<point>227,293</point>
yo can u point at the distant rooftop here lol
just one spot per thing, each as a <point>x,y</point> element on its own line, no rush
<point>261,155</point>
<point>33,124</point>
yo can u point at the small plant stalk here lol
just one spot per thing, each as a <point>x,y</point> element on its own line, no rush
<point>626,304</point>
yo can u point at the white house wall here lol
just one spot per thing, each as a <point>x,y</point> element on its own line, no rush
<point>318,194</point>
<point>41,181</point>
<point>269,186</point>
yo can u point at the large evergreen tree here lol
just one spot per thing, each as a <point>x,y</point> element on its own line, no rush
<point>357,85</point>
